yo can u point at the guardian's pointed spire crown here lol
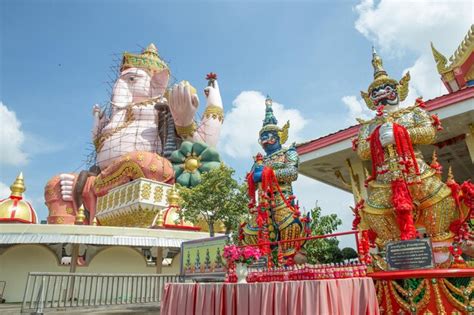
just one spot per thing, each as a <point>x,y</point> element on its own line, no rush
<point>270,123</point>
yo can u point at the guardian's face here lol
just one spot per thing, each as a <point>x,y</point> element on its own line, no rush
<point>385,94</point>
<point>270,141</point>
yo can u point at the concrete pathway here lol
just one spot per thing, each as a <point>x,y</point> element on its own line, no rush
<point>145,308</point>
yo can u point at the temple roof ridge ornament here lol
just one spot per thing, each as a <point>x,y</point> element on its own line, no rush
<point>456,71</point>
<point>465,48</point>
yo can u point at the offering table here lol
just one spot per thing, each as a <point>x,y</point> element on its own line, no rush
<point>338,296</point>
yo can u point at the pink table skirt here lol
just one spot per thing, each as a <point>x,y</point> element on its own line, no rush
<point>332,297</point>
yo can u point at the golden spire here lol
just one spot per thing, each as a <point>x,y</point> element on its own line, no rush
<point>18,187</point>
<point>173,197</point>
<point>80,217</point>
<point>159,220</point>
<point>377,63</point>
<point>435,164</point>
<point>151,49</point>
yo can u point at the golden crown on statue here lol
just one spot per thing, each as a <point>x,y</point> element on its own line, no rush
<point>147,60</point>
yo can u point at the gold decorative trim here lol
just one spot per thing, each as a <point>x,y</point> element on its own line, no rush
<point>186,131</point>
<point>129,118</point>
<point>444,192</point>
<point>428,173</point>
<point>128,168</point>
<point>377,211</point>
<point>393,115</point>
<point>412,307</point>
<point>388,302</point>
<point>464,50</point>
<point>455,302</point>
<point>216,112</point>
<point>439,303</point>
<point>148,60</point>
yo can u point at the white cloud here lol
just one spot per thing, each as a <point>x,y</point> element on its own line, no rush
<point>330,199</point>
<point>357,109</point>
<point>239,137</point>
<point>11,138</point>
<point>401,27</point>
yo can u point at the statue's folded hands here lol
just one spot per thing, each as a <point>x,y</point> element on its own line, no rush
<point>183,103</point>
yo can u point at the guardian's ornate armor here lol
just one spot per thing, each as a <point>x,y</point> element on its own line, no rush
<point>404,192</point>
<point>275,215</point>
<point>435,208</point>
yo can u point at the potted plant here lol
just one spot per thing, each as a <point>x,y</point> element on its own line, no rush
<point>241,258</point>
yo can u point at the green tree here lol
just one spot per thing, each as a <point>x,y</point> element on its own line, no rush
<point>324,250</point>
<point>349,253</point>
<point>219,197</point>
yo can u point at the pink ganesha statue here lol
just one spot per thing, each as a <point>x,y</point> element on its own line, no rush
<point>147,121</point>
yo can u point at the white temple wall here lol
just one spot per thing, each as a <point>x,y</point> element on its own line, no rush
<point>17,261</point>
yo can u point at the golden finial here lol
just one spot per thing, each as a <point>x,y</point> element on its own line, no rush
<point>377,63</point>
<point>173,197</point>
<point>159,220</point>
<point>151,49</point>
<point>80,217</point>
<point>435,164</point>
<point>18,187</point>
<point>94,222</point>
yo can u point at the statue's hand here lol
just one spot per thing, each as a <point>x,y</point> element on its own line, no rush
<point>386,134</point>
<point>183,104</point>
<point>67,186</point>
<point>213,95</point>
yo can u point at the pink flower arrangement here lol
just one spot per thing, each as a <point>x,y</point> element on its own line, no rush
<point>246,255</point>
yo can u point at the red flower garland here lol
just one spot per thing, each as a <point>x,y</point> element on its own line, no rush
<point>401,198</point>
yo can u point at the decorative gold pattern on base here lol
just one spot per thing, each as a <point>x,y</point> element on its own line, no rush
<point>134,204</point>
<point>141,218</point>
<point>128,168</point>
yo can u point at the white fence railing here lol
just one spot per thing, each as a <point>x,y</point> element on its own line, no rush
<point>52,290</point>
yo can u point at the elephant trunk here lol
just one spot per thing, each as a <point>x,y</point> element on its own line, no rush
<point>121,94</point>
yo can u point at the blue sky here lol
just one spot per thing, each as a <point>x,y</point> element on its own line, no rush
<point>312,57</point>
